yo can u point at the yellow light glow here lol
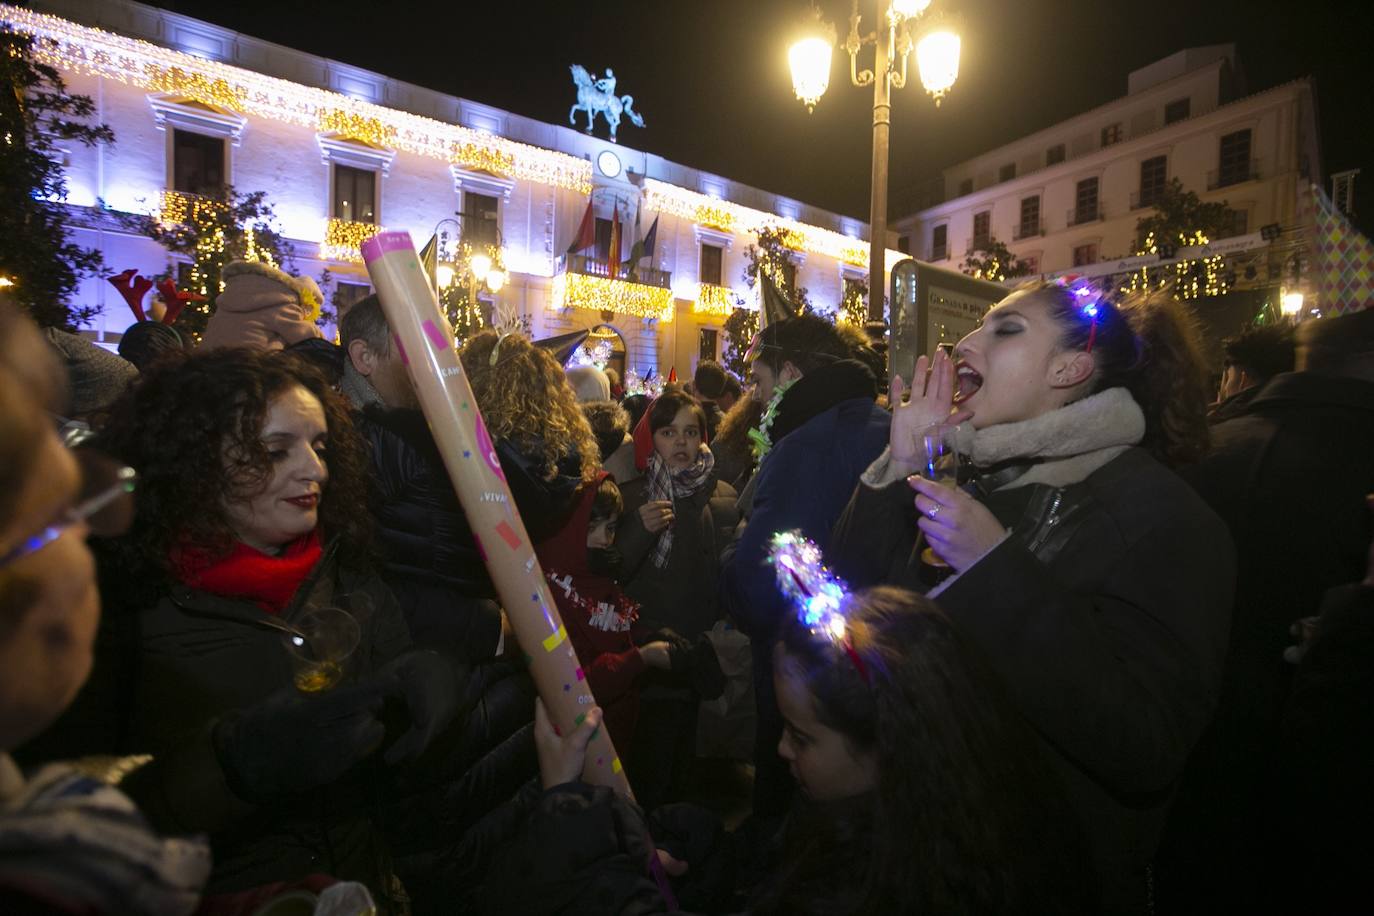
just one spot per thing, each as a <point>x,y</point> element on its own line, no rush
<point>6,282</point>
<point>343,239</point>
<point>443,275</point>
<point>810,62</point>
<point>1291,303</point>
<point>353,126</point>
<point>715,300</point>
<point>496,278</point>
<point>937,57</point>
<point>480,265</point>
<point>908,9</point>
<point>580,291</point>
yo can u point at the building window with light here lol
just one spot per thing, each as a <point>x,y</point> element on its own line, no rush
<point>982,229</point>
<point>710,269</point>
<point>789,276</point>
<point>1085,208</point>
<point>1233,160</point>
<point>480,215</point>
<point>603,239</point>
<point>1154,176</point>
<point>197,163</point>
<point>939,243</point>
<point>1055,154</point>
<point>1030,217</point>
<point>1177,110</point>
<point>708,343</point>
<point>1084,255</point>
<point>1111,134</point>
<point>355,194</point>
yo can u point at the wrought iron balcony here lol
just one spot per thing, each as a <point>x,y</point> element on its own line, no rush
<point>1080,215</point>
<point>1233,174</point>
<point>601,267</point>
<point>1024,231</point>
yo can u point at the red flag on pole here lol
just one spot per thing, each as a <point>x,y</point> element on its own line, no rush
<point>586,231</point>
<point>614,256</point>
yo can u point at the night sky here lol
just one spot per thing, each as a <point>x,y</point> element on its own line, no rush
<point>711,77</point>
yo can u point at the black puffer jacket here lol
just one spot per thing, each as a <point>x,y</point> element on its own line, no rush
<point>166,672</point>
<point>431,561</point>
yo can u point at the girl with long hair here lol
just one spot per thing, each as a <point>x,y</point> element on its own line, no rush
<point>1095,581</point>
<point>922,789</point>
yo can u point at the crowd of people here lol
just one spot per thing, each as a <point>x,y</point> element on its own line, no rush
<point>1119,662</point>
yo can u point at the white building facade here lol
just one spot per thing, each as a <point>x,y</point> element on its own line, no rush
<point>341,152</point>
<point>1070,195</point>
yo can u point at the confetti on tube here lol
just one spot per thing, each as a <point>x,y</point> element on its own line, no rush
<point>425,344</point>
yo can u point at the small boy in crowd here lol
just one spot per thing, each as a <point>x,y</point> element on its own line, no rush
<point>581,563</point>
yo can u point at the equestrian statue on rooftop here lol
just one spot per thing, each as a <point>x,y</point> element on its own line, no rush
<point>596,95</point>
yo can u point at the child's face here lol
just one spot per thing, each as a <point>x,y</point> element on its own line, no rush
<point>823,761</point>
<point>678,443</point>
<point>601,532</point>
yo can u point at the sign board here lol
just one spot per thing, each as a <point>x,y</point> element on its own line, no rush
<point>933,306</point>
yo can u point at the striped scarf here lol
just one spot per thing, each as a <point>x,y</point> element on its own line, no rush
<point>665,483</point>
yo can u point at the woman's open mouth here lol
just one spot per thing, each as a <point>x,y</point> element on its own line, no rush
<point>308,501</point>
<point>969,381</point>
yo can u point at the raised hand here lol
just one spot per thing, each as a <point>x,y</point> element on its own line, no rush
<point>931,401</point>
<point>656,515</point>
<point>561,757</point>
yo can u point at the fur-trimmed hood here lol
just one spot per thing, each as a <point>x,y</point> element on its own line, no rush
<point>252,286</point>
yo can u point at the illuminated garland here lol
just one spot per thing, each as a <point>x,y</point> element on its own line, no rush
<point>580,291</point>
<point>178,207</point>
<point>853,309</point>
<point>96,52</point>
<point>662,197</point>
<point>715,300</point>
<point>343,239</point>
<point>820,597</point>
<point>1191,278</point>
<point>352,126</point>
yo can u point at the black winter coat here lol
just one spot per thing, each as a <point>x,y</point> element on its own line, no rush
<point>431,561</point>
<point>165,673</point>
<point>1106,613</point>
<point>683,594</point>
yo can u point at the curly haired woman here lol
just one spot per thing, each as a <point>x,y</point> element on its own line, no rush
<point>252,479</point>
<point>542,438</point>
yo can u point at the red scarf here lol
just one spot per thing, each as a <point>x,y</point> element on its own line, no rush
<point>270,582</point>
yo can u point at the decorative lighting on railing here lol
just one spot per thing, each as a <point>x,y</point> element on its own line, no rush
<point>580,291</point>
<point>716,300</point>
<point>343,239</point>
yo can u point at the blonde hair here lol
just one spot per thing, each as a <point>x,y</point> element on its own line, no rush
<point>525,399</point>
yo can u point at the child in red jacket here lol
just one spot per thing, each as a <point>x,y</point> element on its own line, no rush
<point>581,561</point>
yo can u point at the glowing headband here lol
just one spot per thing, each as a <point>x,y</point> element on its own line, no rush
<point>1088,301</point>
<point>821,597</point>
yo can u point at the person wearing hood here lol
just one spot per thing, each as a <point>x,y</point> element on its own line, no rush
<point>262,307</point>
<point>821,427</point>
<point>611,425</point>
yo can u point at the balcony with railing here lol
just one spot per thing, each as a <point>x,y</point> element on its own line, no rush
<point>601,267</point>
<point>590,283</point>
<point>1027,231</point>
<point>343,240</point>
<point>1089,214</point>
<point>1236,173</point>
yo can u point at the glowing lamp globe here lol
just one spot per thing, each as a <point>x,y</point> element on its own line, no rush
<point>810,60</point>
<point>480,266</point>
<point>496,278</point>
<point>443,275</point>
<point>908,9</point>
<point>937,57</point>
<point>1291,304</point>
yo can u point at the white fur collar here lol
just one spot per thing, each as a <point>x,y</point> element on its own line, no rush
<point>1068,444</point>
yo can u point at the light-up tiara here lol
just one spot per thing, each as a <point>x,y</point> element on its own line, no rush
<point>1087,299</point>
<point>820,596</point>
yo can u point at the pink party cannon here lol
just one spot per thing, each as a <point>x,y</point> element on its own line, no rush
<point>425,344</point>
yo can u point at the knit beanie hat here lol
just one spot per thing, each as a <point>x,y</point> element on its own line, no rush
<point>145,341</point>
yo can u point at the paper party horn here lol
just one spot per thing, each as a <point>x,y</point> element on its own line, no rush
<point>425,344</point>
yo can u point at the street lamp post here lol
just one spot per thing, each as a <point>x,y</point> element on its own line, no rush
<point>937,56</point>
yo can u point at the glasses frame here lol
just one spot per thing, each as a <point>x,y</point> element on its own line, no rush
<point>125,482</point>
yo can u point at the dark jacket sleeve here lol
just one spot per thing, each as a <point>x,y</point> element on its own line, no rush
<point>1121,677</point>
<point>875,539</point>
<point>584,850</point>
<point>632,538</point>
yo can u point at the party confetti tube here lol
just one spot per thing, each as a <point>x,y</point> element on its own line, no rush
<point>425,344</point>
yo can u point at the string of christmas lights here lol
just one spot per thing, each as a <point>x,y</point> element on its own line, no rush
<point>580,291</point>
<point>716,300</point>
<point>343,240</point>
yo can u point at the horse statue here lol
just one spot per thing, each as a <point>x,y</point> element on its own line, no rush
<point>596,95</point>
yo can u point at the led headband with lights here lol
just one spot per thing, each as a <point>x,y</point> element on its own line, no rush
<point>821,597</point>
<point>1087,300</point>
